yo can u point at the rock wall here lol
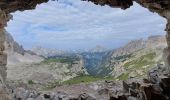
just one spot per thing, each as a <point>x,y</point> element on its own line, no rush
<point>3,57</point>
<point>131,47</point>
<point>9,6</point>
<point>12,46</point>
<point>154,41</point>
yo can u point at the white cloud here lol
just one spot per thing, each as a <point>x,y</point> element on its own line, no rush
<point>76,22</point>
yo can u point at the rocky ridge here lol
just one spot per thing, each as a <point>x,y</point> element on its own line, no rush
<point>137,57</point>
<point>135,45</point>
<point>129,48</point>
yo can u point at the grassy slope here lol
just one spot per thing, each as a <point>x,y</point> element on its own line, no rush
<point>76,80</point>
<point>144,60</point>
<point>86,79</point>
<point>69,60</point>
<point>131,66</point>
<point>137,66</point>
<point>137,61</point>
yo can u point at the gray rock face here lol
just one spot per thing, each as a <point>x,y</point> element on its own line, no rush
<point>130,47</point>
<point>132,89</point>
<point>136,45</point>
<point>16,52</point>
<point>24,94</point>
<point>154,41</point>
<point>3,58</point>
<point>12,46</point>
<point>41,78</point>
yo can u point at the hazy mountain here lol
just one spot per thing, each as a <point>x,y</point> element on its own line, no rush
<point>98,48</point>
<point>130,47</point>
<point>93,62</point>
<point>12,46</point>
<point>45,52</point>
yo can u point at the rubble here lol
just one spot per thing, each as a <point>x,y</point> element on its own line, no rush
<point>131,89</point>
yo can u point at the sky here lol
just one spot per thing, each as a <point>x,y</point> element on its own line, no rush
<point>76,24</point>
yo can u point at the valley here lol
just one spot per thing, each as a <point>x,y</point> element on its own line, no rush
<point>132,60</point>
<point>45,69</point>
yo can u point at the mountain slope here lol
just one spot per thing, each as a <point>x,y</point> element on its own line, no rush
<point>138,62</point>
<point>17,54</point>
<point>131,60</point>
<point>27,66</point>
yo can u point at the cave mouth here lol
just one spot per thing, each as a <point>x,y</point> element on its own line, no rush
<point>129,21</point>
<point>155,87</point>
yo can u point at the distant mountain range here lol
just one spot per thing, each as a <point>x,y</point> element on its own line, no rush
<point>130,60</point>
<point>49,70</point>
<point>112,62</point>
<point>103,62</point>
<point>98,49</point>
<point>45,52</point>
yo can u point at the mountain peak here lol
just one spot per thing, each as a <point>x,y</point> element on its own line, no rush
<point>98,48</point>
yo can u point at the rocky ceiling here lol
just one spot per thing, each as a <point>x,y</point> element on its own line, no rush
<point>13,5</point>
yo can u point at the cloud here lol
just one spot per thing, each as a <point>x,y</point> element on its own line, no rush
<point>78,24</point>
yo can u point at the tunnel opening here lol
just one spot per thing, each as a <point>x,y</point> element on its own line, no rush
<point>153,77</point>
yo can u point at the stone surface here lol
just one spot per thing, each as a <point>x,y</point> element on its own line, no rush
<point>3,57</point>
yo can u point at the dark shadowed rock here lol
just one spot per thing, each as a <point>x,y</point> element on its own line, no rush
<point>85,96</point>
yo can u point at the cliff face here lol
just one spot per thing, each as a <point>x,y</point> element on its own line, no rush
<point>131,47</point>
<point>17,54</point>
<point>12,46</point>
<point>154,41</point>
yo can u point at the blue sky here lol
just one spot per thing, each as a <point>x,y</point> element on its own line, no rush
<point>75,24</point>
